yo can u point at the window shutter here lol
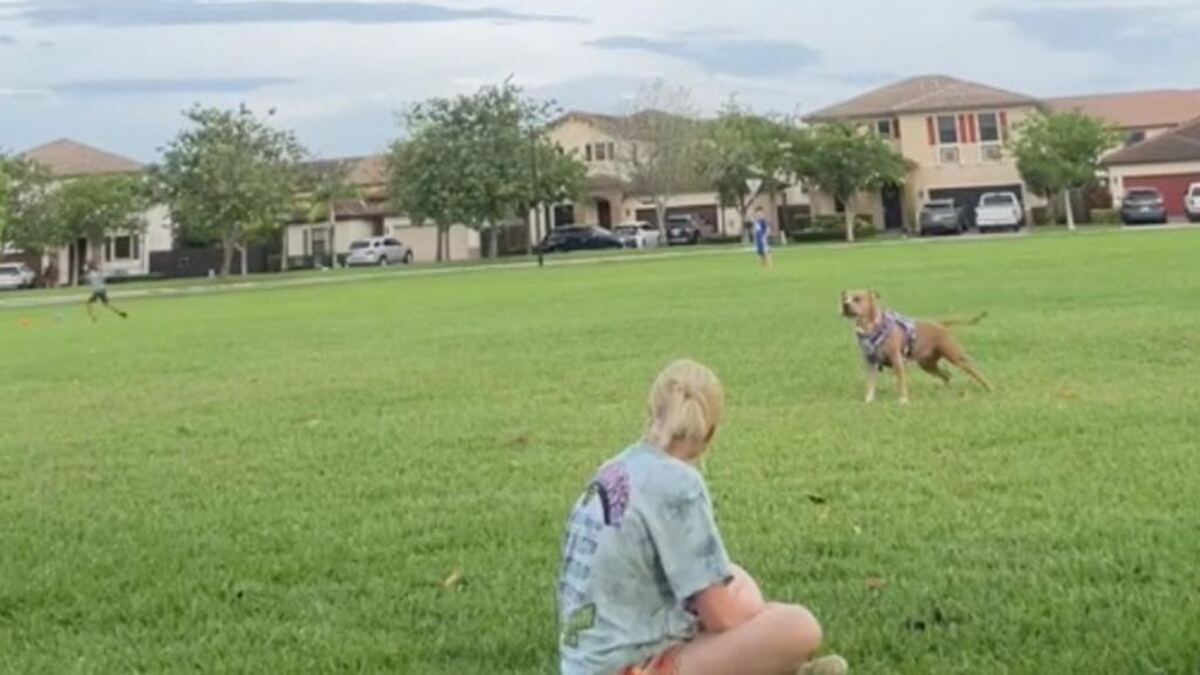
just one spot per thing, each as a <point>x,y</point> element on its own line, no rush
<point>932,130</point>
<point>972,132</point>
<point>1003,125</point>
<point>963,136</point>
<point>896,127</point>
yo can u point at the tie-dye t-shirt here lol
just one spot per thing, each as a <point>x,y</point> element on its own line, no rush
<point>640,543</point>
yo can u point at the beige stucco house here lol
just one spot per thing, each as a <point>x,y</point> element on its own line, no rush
<point>1138,115</point>
<point>1169,162</point>
<point>122,254</point>
<point>371,216</point>
<point>952,131</point>
<point>612,197</point>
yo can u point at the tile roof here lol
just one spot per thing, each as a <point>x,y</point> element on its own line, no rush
<point>1178,145</point>
<point>65,158</point>
<point>366,171</point>
<point>1136,109</point>
<point>928,93</point>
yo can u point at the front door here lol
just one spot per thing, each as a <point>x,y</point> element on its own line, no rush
<point>893,207</point>
<point>604,213</point>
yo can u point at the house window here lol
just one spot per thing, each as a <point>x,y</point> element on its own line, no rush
<point>124,247</point>
<point>884,128</point>
<point>947,126</point>
<point>1135,137</point>
<point>989,127</point>
<point>600,152</point>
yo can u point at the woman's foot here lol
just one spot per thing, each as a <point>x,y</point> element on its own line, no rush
<point>826,665</point>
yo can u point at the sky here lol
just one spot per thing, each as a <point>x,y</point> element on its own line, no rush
<point>117,73</point>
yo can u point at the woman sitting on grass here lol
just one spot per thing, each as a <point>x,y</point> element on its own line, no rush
<point>646,586</point>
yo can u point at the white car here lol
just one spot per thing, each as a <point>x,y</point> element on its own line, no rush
<point>382,251</point>
<point>999,211</point>
<point>638,235</point>
<point>1191,203</point>
<point>14,276</point>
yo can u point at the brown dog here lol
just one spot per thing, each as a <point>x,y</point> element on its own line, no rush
<point>889,340</point>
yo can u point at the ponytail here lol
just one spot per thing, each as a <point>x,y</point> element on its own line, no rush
<point>686,403</point>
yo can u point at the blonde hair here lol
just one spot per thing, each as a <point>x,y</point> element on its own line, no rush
<point>686,403</point>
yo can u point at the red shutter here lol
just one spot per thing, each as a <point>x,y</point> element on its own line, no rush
<point>963,136</point>
<point>972,127</point>
<point>932,130</point>
<point>1003,125</point>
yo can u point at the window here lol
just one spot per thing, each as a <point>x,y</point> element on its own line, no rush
<point>948,154</point>
<point>992,153</point>
<point>989,128</point>
<point>1135,137</point>
<point>947,126</point>
<point>601,152</point>
<point>123,247</point>
<point>884,128</point>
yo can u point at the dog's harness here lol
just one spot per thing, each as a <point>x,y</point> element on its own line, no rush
<point>872,343</point>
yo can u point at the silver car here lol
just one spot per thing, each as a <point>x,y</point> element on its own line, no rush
<point>381,251</point>
<point>15,276</point>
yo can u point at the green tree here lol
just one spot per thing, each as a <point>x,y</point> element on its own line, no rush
<point>467,160</point>
<point>555,176</point>
<point>1059,152</point>
<point>95,207</point>
<point>3,200</point>
<point>32,225</point>
<point>658,145</point>
<point>744,155</point>
<point>327,187</point>
<point>842,161</point>
<point>231,178</point>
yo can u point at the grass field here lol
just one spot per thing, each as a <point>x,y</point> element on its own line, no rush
<point>278,481</point>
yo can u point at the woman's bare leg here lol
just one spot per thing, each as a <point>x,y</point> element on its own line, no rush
<point>776,642</point>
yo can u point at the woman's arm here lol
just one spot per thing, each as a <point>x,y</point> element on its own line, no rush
<point>726,606</point>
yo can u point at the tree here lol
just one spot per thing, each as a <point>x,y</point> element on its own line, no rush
<point>842,161</point>
<point>3,200</point>
<point>231,178</point>
<point>327,187</point>
<point>94,207</point>
<point>1058,152</point>
<point>555,176</point>
<point>743,156</point>
<point>658,144</point>
<point>32,225</point>
<point>467,159</point>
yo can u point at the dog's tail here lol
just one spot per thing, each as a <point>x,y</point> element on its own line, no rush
<point>975,321</point>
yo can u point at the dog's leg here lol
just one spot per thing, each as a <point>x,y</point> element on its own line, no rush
<point>933,368</point>
<point>967,367</point>
<point>902,379</point>
<point>872,380</point>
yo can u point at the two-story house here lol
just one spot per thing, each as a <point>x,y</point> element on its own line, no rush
<point>612,196</point>
<point>951,131</point>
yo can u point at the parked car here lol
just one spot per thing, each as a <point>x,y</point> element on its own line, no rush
<point>941,216</point>
<point>682,231</point>
<point>382,251</point>
<point>1191,203</point>
<point>999,211</point>
<point>579,238</point>
<point>638,235</point>
<point>1142,206</point>
<point>14,276</point>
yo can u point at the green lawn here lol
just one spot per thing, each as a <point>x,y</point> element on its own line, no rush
<point>278,481</point>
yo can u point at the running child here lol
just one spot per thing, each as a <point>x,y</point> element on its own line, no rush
<point>99,288</point>
<point>762,232</point>
<point>646,587</point>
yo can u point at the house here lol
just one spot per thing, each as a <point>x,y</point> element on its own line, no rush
<point>1138,115</point>
<point>1169,162</point>
<point>318,243</point>
<point>123,254</point>
<point>611,195</point>
<point>952,132</point>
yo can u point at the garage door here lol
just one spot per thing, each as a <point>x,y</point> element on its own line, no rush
<point>968,197</point>
<point>706,216</point>
<point>1172,186</point>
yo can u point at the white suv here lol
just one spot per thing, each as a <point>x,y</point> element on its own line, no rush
<point>999,210</point>
<point>382,251</point>
<point>1191,203</point>
<point>14,276</point>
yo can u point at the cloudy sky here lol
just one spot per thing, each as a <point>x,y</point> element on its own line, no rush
<point>116,73</point>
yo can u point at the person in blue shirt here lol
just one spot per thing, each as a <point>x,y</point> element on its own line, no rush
<point>646,586</point>
<point>762,233</point>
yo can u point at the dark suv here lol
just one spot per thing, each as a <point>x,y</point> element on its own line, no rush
<point>579,238</point>
<point>1143,205</point>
